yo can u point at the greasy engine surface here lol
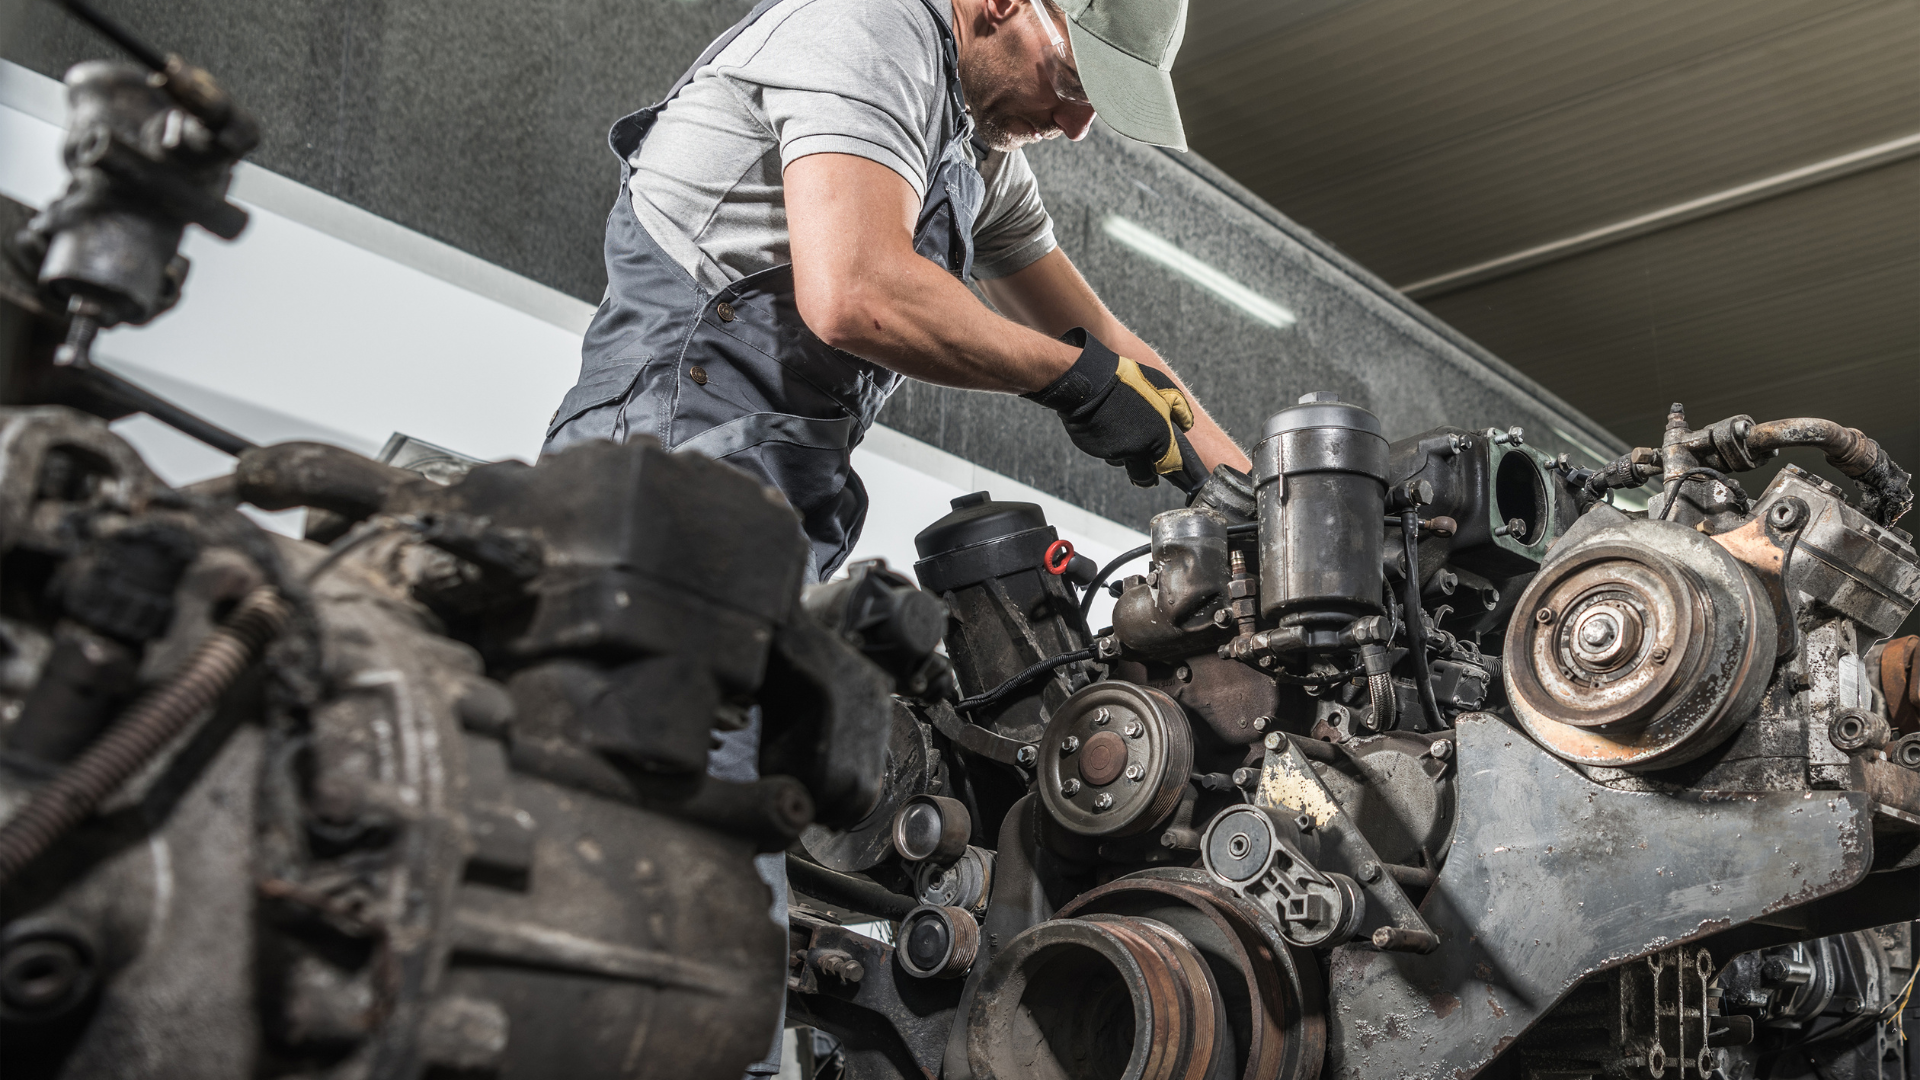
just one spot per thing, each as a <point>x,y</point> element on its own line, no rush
<point>1417,759</point>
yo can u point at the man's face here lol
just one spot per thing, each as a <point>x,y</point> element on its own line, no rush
<point>1018,85</point>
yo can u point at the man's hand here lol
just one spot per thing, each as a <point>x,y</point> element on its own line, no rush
<point>861,287</point>
<point>1125,414</point>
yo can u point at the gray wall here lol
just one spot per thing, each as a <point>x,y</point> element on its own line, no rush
<point>483,123</point>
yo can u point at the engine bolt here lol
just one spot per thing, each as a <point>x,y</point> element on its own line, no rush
<point>1133,729</point>
<point>1070,788</point>
<point>1442,749</point>
<point>1245,778</point>
<point>1183,673</point>
<point>1026,755</point>
<point>1102,801</point>
<point>1369,872</point>
<point>1260,722</point>
<point>1273,741</point>
<point>1135,771</point>
<point>1543,616</point>
<point>1101,715</point>
<point>1070,744</point>
<point>1659,654</point>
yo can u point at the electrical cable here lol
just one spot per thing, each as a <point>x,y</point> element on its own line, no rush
<point>1416,626</point>
<point>994,696</point>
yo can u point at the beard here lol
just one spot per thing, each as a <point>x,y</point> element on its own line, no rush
<point>992,81</point>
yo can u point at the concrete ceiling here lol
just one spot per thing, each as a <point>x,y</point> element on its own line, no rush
<point>1429,137</point>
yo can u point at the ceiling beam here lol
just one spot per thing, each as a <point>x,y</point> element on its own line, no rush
<point>1820,172</point>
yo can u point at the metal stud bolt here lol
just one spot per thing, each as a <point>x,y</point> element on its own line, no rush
<point>1026,755</point>
<point>1101,715</point>
<point>1135,771</point>
<point>1103,801</point>
<point>1133,729</point>
<point>1070,788</point>
<point>1069,744</point>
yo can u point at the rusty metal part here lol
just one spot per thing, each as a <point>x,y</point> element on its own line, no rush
<point>147,725</point>
<point>1106,995</point>
<point>890,1025</point>
<point>1855,730</point>
<point>1553,877</point>
<point>1900,682</point>
<point>938,942</point>
<point>1271,989</point>
<point>1885,495</point>
<point>1142,750</point>
<point>1640,644</point>
<point>319,476</point>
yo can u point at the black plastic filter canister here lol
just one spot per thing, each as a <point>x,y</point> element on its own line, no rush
<point>1320,473</point>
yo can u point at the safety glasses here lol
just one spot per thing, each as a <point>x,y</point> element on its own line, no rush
<point>1066,81</point>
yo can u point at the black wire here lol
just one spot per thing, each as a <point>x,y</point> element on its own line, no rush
<point>116,33</point>
<point>993,696</point>
<point>1416,626</point>
<point>140,399</point>
<point>1317,680</point>
<point>1127,556</point>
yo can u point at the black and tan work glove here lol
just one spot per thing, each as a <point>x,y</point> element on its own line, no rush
<point>1125,414</point>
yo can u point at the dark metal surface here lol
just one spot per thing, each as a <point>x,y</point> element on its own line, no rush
<point>1552,877</point>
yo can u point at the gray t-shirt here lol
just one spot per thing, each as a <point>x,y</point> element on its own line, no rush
<point>861,77</point>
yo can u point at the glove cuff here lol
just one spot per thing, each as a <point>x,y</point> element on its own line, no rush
<point>1086,381</point>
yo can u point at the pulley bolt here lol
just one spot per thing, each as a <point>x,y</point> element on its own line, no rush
<point>1273,741</point>
<point>1101,716</point>
<point>1543,616</point>
<point>1660,654</point>
<point>1026,755</point>
<point>1599,631</point>
<point>1070,788</point>
<point>1103,801</point>
<point>1135,771</point>
<point>1133,729</point>
<point>1070,744</point>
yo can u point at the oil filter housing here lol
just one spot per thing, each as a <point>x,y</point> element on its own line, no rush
<point>1320,473</point>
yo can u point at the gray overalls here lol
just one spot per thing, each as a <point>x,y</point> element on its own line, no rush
<point>769,397</point>
<point>736,375</point>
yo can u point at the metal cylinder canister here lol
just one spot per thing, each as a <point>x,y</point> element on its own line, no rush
<point>1320,473</point>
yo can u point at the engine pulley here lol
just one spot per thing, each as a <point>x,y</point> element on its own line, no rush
<point>1641,646</point>
<point>1114,759</point>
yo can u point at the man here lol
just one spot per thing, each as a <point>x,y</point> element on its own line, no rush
<point>794,229</point>
<point>798,217</point>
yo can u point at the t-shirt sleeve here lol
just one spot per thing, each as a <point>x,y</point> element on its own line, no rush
<point>853,77</point>
<point>1013,229</point>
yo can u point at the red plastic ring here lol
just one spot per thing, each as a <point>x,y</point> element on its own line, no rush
<point>1064,550</point>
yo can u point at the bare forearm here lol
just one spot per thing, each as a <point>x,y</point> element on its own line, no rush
<point>912,317</point>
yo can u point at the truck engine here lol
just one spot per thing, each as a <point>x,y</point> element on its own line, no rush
<point>1408,759</point>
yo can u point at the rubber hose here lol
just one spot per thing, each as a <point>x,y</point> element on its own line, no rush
<point>147,725</point>
<point>867,897</point>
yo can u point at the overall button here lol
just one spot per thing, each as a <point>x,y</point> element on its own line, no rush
<point>698,374</point>
<point>725,311</point>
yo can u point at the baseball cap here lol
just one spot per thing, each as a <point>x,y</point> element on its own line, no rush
<point>1123,50</point>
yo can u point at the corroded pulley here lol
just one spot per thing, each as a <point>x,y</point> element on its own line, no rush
<point>1641,645</point>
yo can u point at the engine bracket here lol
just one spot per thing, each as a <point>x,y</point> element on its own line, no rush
<point>1535,845</point>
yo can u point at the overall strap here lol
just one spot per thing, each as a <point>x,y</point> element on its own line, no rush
<point>624,138</point>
